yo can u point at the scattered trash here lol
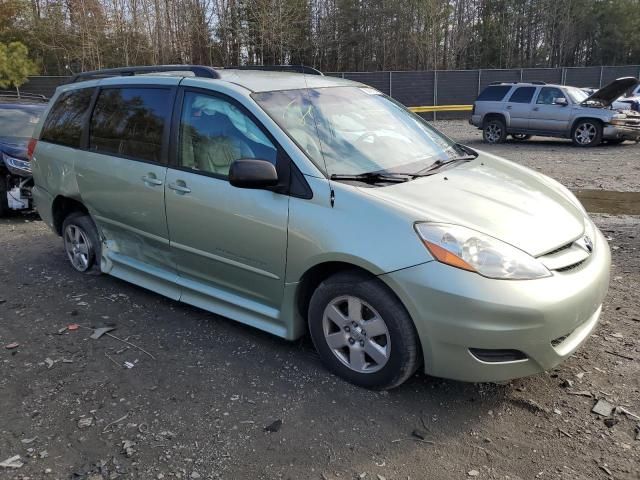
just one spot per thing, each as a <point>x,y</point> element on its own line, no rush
<point>579,375</point>
<point>567,383</point>
<point>129,364</point>
<point>27,441</point>
<point>124,417</point>
<point>566,434</point>
<point>626,357</point>
<point>98,332</point>
<point>43,454</point>
<point>127,448</point>
<point>602,407</point>
<point>11,346</point>
<point>605,469</point>
<point>529,404</point>
<point>473,473</point>
<point>85,422</point>
<point>627,412</point>
<point>638,431</point>
<point>273,427</point>
<point>380,477</point>
<point>417,433</point>
<point>195,474</point>
<point>581,393</point>
<point>610,422</point>
<point>73,326</point>
<point>143,428</point>
<point>50,363</point>
<point>557,412</point>
<point>62,330</point>
<point>13,462</point>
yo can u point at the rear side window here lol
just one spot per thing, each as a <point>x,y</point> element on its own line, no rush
<point>64,123</point>
<point>494,93</point>
<point>130,122</point>
<point>522,95</point>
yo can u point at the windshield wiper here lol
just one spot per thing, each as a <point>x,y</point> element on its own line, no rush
<point>430,170</point>
<point>374,177</point>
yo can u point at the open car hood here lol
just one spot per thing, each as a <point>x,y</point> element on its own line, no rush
<point>610,92</point>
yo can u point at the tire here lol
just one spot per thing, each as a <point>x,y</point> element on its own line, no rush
<point>81,241</point>
<point>587,133</point>
<point>521,137</point>
<point>494,131</point>
<point>4,188</point>
<point>395,350</point>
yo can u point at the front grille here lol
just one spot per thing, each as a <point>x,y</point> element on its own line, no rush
<point>564,247</point>
<point>570,267</point>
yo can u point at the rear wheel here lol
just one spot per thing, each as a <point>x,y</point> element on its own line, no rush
<point>362,331</point>
<point>81,241</point>
<point>587,133</point>
<point>494,131</point>
<point>520,136</point>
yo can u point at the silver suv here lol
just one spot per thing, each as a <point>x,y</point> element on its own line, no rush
<point>525,109</point>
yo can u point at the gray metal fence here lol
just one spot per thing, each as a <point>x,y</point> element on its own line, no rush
<point>439,87</point>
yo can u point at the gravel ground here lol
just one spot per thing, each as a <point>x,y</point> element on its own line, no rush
<point>605,167</point>
<point>199,407</point>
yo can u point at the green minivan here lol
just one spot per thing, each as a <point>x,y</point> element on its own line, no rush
<point>296,202</point>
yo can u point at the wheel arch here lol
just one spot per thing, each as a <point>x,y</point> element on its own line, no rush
<point>580,119</point>
<point>62,207</point>
<point>495,116</point>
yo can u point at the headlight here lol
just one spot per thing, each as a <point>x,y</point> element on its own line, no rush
<point>16,165</point>
<point>590,230</point>
<point>474,251</point>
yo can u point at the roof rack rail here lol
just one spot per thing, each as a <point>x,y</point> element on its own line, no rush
<point>279,68</point>
<point>197,70</point>
<point>533,82</point>
<point>21,95</point>
<point>536,82</point>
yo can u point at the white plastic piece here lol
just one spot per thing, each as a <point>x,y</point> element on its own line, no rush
<point>15,200</point>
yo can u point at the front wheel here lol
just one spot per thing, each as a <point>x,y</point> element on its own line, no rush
<point>587,133</point>
<point>362,331</point>
<point>81,241</point>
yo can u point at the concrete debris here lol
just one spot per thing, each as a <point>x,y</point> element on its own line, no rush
<point>602,407</point>
<point>273,427</point>
<point>473,473</point>
<point>43,454</point>
<point>85,422</point>
<point>195,475</point>
<point>27,441</point>
<point>127,448</point>
<point>13,462</point>
<point>610,422</point>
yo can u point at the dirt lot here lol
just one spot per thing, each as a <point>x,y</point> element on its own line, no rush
<point>199,407</point>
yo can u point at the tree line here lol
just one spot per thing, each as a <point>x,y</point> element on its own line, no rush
<point>68,36</point>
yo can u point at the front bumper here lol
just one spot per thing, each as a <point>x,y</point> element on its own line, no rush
<point>455,311</point>
<point>613,132</point>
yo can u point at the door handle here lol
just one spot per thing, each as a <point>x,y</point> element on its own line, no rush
<point>508,107</point>
<point>535,109</point>
<point>151,180</point>
<point>181,189</point>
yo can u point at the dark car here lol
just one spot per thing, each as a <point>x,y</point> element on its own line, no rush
<point>19,114</point>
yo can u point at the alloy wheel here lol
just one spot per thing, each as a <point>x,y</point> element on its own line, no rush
<point>77,246</point>
<point>356,334</point>
<point>585,133</point>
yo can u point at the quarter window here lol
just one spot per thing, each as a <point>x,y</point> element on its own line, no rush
<point>214,133</point>
<point>64,123</point>
<point>494,93</point>
<point>130,122</point>
<point>522,95</point>
<point>548,95</point>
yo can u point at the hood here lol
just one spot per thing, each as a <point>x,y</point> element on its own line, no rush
<point>611,92</point>
<point>14,146</point>
<point>495,197</point>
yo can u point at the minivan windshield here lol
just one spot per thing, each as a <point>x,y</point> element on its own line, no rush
<point>357,130</point>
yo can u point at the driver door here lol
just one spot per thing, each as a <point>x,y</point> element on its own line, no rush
<point>229,243</point>
<point>549,116</point>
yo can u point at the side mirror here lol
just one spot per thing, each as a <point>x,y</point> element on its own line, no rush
<point>560,101</point>
<point>245,173</point>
